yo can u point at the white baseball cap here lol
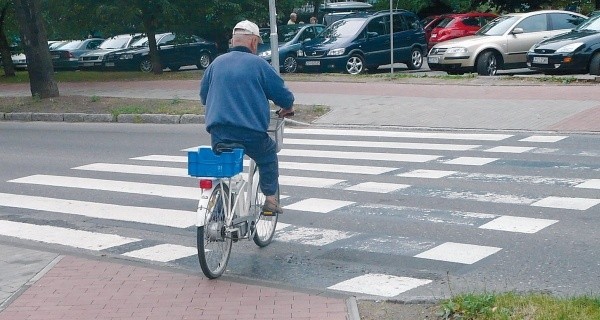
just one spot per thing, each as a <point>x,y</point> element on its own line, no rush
<point>247,27</point>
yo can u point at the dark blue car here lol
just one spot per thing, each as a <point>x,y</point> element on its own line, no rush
<point>362,41</point>
<point>174,51</point>
<point>289,39</point>
<point>577,51</point>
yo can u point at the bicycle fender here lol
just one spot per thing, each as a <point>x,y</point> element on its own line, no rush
<point>203,204</point>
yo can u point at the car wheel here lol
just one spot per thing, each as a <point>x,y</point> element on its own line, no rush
<point>595,65</point>
<point>416,59</point>
<point>355,64</point>
<point>146,65</point>
<point>204,61</point>
<point>290,64</point>
<point>487,64</point>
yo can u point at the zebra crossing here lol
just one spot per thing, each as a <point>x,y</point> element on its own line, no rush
<point>325,173</point>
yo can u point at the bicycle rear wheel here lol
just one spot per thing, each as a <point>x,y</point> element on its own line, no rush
<point>214,245</point>
<point>265,225</point>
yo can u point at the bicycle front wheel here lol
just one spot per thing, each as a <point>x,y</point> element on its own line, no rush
<point>265,225</point>
<point>214,245</point>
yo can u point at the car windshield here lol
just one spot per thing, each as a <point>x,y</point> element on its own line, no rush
<point>592,24</point>
<point>286,33</point>
<point>71,45</point>
<point>498,26</point>
<point>57,44</point>
<point>343,28</point>
<point>143,42</point>
<point>115,43</point>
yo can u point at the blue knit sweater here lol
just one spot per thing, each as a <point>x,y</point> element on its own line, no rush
<point>236,89</point>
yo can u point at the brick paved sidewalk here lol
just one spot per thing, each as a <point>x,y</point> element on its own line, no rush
<point>76,288</point>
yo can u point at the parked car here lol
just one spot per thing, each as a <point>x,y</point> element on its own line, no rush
<point>363,42</point>
<point>20,60</point>
<point>95,59</point>
<point>502,43</point>
<point>175,51</point>
<point>289,39</point>
<point>66,56</point>
<point>429,23</point>
<point>577,51</point>
<point>458,25</point>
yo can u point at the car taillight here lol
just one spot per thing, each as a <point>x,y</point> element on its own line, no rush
<point>205,184</point>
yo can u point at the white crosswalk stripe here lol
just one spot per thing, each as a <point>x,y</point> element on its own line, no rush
<point>336,154</point>
<point>164,217</point>
<point>63,236</point>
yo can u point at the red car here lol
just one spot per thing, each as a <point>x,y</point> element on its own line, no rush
<point>459,25</point>
<point>429,23</point>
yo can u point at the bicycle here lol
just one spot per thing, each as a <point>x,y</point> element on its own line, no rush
<point>230,206</point>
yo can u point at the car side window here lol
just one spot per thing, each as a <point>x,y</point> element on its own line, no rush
<point>535,23</point>
<point>377,25</point>
<point>471,22</point>
<point>564,21</point>
<point>92,45</point>
<point>168,40</point>
<point>412,22</point>
<point>400,23</point>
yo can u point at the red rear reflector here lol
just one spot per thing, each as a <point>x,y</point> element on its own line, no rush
<point>205,184</point>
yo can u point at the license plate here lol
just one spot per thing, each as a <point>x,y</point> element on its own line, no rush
<point>88,64</point>
<point>109,64</point>
<point>433,59</point>
<point>313,63</point>
<point>540,60</point>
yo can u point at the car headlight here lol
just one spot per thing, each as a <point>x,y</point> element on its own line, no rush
<point>455,50</point>
<point>336,52</point>
<point>570,47</point>
<point>265,54</point>
<point>128,56</point>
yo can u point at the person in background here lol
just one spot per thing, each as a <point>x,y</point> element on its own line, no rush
<point>235,90</point>
<point>313,20</point>
<point>293,18</point>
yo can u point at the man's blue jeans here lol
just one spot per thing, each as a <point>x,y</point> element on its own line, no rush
<point>258,146</point>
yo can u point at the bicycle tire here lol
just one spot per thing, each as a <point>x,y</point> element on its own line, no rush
<point>214,246</point>
<point>265,225</point>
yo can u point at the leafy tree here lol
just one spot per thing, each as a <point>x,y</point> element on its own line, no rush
<point>9,68</point>
<point>35,44</point>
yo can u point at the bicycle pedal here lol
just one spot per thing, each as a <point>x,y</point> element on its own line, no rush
<point>269,213</point>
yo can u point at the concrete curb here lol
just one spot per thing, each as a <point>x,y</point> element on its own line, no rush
<point>122,118</point>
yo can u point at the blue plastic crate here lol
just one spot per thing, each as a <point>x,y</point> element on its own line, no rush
<point>205,163</point>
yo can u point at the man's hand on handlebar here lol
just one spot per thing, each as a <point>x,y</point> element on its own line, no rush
<point>282,113</point>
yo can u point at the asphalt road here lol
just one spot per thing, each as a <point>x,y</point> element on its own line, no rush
<point>394,213</point>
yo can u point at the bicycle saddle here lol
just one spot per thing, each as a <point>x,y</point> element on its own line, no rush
<point>227,147</point>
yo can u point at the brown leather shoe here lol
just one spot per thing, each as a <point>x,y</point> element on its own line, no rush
<point>270,208</point>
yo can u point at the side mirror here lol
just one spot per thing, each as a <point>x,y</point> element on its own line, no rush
<point>372,34</point>
<point>517,31</point>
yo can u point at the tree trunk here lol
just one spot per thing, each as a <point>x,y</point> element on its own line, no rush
<point>35,44</point>
<point>9,67</point>
<point>149,20</point>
